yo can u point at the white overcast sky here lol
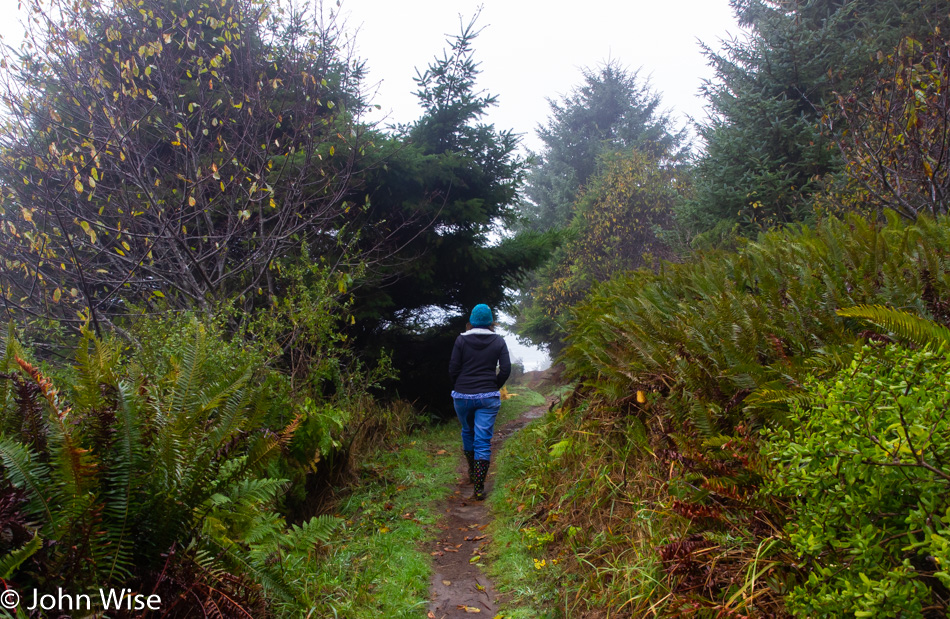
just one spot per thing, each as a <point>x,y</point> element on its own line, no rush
<point>532,50</point>
<point>529,50</point>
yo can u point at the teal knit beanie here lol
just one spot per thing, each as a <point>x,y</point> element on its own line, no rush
<point>481,316</point>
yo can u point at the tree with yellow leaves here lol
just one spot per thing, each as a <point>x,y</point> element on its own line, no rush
<point>618,226</point>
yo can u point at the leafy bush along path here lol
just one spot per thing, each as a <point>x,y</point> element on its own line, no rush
<point>458,587</point>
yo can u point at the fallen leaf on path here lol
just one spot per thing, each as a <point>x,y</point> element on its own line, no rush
<point>474,538</point>
<point>447,583</point>
<point>447,549</point>
<point>430,615</point>
<point>437,554</point>
<point>469,609</point>
<point>441,452</point>
<point>475,559</point>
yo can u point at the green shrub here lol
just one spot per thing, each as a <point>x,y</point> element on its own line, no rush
<point>866,472</point>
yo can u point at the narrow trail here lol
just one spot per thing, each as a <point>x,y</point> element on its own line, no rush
<point>458,587</point>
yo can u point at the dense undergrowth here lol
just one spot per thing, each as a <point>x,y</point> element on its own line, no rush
<point>185,467</point>
<point>652,488</point>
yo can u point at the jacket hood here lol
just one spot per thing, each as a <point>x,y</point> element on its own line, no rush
<point>479,339</point>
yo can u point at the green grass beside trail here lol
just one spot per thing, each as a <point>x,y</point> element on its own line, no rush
<point>522,400</point>
<point>520,568</point>
<point>378,565</point>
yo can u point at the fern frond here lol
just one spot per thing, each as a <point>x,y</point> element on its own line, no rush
<point>266,526</point>
<point>704,418</point>
<point>212,395</point>
<point>316,530</point>
<point>252,491</point>
<point>64,442</point>
<point>905,325</point>
<point>232,416</point>
<point>127,458</point>
<point>25,471</point>
<point>14,559</point>
<point>190,374</point>
<point>97,360</point>
<point>243,560</point>
<point>766,396</point>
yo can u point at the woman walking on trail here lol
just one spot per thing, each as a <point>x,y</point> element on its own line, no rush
<point>476,393</point>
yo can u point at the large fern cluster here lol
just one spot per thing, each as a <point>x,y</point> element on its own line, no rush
<point>154,481</point>
<point>709,333</point>
<point>679,368</point>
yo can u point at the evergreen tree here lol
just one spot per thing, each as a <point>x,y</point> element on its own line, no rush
<point>766,153</point>
<point>441,191</point>
<point>618,215</point>
<point>611,110</point>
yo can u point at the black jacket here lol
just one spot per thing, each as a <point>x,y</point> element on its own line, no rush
<point>474,357</point>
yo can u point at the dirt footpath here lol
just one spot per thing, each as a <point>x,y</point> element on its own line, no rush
<point>459,588</point>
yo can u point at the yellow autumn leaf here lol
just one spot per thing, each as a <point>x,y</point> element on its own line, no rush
<point>77,185</point>
<point>88,230</point>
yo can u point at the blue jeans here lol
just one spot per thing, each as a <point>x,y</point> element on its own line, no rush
<point>478,423</point>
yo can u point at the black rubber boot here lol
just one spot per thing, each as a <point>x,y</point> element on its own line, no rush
<point>470,458</point>
<point>481,472</point>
